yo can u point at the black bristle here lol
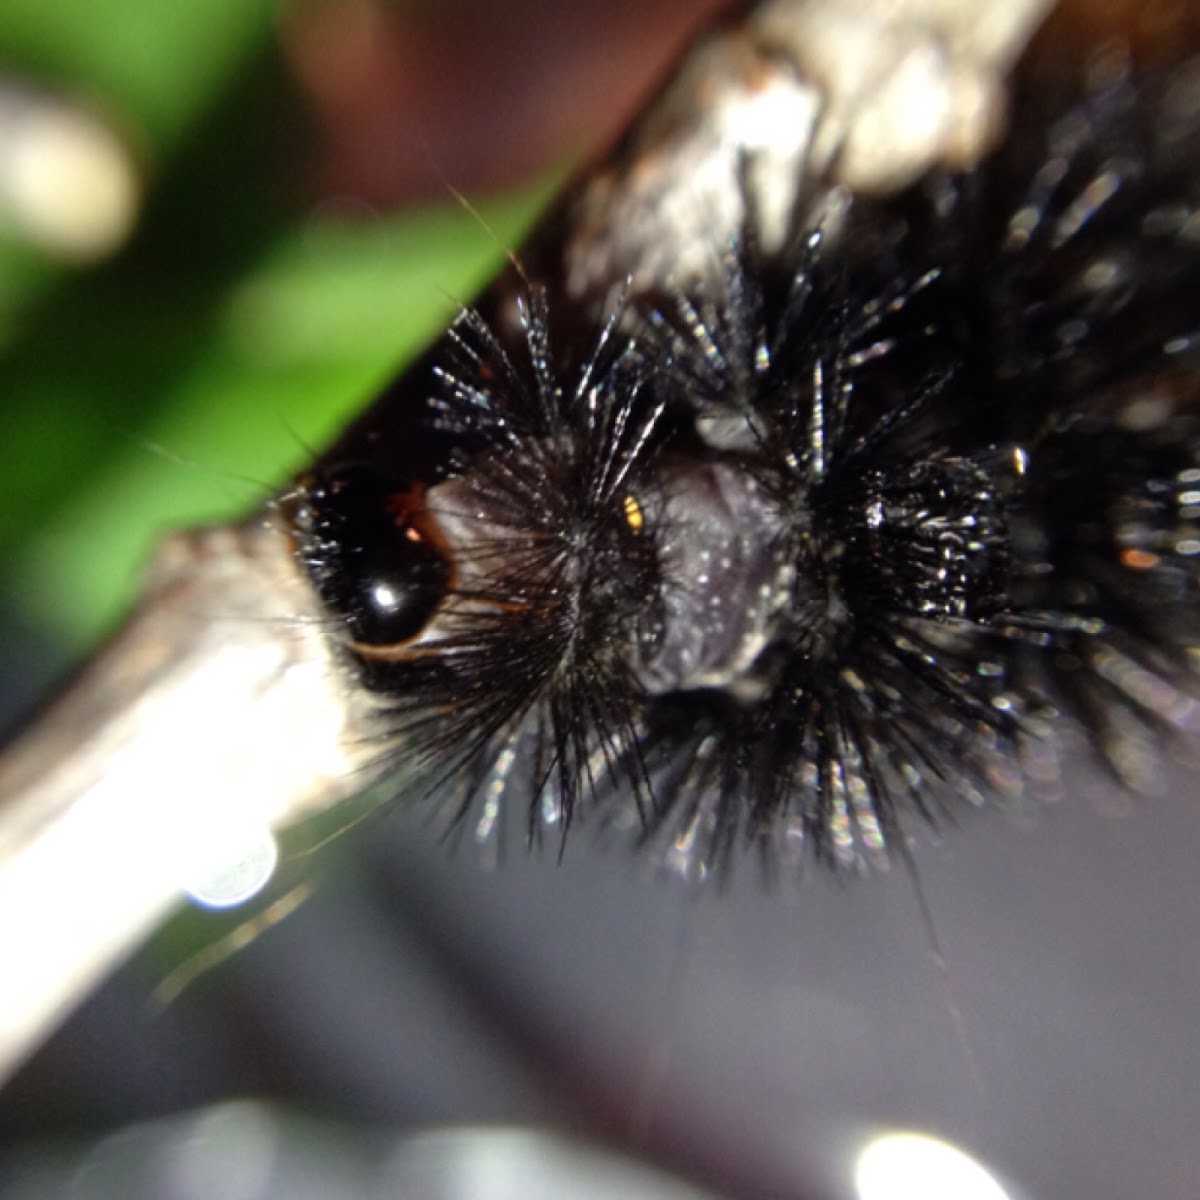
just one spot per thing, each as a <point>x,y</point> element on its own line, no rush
<point>815,549</point>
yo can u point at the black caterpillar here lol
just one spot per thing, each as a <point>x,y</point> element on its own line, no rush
<point>831,543</point>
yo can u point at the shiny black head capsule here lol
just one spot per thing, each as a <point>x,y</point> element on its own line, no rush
<point>372,552</point>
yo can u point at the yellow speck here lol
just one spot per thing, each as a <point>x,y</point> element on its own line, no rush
<point>634,517</point>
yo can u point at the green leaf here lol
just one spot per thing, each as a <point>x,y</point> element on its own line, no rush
<point>153,65</point>
<point>289,353</point>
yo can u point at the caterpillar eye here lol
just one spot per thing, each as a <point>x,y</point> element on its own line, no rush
<point>372,553</point>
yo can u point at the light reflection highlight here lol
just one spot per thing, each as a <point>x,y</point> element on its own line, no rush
<point>915,1166</point>
<point>241,878</point>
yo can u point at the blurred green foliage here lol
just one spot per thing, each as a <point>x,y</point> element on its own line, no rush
<point>241,325</point>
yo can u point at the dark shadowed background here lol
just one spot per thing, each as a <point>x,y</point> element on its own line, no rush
<point>421,1026</point>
